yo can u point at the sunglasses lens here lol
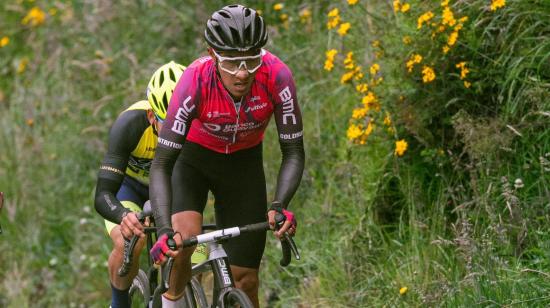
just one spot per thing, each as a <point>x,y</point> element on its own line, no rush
<point>233,65</point>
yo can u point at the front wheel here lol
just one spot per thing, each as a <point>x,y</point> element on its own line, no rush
<point>194,294</point>
<point>236,298</point>
<point>140,292</point>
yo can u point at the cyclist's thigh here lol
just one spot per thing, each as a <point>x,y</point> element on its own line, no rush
<point>189,186</point>
<point>240,195</point>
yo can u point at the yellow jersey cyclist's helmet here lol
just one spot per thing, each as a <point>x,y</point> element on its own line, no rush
<point>162,85</point>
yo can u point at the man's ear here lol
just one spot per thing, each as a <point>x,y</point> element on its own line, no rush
<point>151,116</point>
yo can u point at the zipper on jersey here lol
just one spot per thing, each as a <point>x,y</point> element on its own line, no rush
<point>237,109</point>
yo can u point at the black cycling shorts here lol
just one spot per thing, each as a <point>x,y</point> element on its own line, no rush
<point>237,182</point>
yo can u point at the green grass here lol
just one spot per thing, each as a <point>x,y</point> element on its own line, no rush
<point>445,220</point>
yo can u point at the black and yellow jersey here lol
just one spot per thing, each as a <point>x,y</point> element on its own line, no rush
<point>141,156</point>
<point>131,148</point>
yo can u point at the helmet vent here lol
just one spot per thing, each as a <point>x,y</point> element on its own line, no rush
<point>161,81</point>
<point>164,100</point>
<point>247,12</point>
<point>172,76</point>
<point>224,14</point>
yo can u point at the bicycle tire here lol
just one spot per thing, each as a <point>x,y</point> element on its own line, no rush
<point>235,298</point>
<point>198,297</point>
<point>140,289</point>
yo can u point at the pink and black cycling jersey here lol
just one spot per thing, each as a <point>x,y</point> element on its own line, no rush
<point>202,111</point>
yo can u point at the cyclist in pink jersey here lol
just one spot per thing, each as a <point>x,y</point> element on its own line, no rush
<point>211,140</point>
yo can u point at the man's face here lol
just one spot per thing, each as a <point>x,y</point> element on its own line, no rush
<point>237,70</point>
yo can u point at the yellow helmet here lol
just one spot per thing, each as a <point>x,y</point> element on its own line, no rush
<point>162,85</point>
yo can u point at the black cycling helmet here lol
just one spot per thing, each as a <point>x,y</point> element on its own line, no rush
<point>235,28</point>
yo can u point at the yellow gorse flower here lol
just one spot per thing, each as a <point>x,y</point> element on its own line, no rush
<point>387,119</point>
<point>4,41</point>
<point>414,59</point>
<point>359,113</point>
<point>424,18</point>
<point>403,290</point>
<point>407,40</point>
<point>333,18</point>
<point>354,132</point>
<point>329,62</point>
<point>348,61</point>
<point>452,38</point>
<point>374,69</point>
<point>428,74</point>
<point>344,28</point>
<point>352,2</point>
<point>448,17</point>
<point>463,69</point>
<point>347,77</point>
<point>278,6</point>
<point>444,3</point>
<point>362,88</point>
<point>467,84</point>
<point>370,102</point>
<point>497,4</point>
<point>358,74</point>
<point>396,5</point>
<point>400,148</point>
<point>405,7</point>
<point>34,17</point>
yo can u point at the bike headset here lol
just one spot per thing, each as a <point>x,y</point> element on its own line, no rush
<point>235,28</point>
<point>161,86</point>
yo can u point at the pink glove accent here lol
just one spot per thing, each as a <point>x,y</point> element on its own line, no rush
<point>158,252</point>
<point>290,217</point>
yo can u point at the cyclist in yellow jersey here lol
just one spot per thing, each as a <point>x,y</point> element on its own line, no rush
<point>123,177</point>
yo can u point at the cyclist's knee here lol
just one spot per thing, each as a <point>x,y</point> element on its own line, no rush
<point>118,241</point>
<point>246,279</point>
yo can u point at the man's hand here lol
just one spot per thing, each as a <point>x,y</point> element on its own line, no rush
<point>131,225</point>
<point>162,249</point>
<point>289,225</point>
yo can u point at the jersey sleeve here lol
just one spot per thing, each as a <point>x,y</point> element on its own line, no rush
<point>290,130</point>
<point>123,138</point>
<point>181,112</point>
<point>287,111</point>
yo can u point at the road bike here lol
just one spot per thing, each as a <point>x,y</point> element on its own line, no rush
<point>151,282</point>
<point>224,292</point>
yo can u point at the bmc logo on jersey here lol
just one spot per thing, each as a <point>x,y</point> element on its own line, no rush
<point>182,115</point>
<point>288,105</point>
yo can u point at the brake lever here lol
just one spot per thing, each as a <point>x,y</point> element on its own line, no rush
<point>293,246</point>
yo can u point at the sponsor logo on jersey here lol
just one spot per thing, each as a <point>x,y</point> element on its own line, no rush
<point>288,105</point>
<point>182,115</point>
<point>291,136</point>
<point>254,98</point>
<point>169,144</point>
<point>255,107</point>
<point>216,114</point>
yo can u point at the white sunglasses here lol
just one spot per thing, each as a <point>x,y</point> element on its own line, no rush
<point>233,65</point>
